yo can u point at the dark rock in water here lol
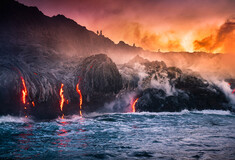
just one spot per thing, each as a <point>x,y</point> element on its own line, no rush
<point>41,88</point>
<point>169,89</point>
<point>99,74</point>
<point>202,94</point>
<point>156,100</point>
<point>99,80</point>
<point>190,93</point>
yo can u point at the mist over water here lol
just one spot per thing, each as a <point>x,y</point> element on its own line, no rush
<point>206,134</point>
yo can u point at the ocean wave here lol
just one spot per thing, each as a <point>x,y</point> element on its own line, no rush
<point>8,118</point>
<point>183,112</point>
<point>217,112</point>
<point>95,114</point>
<point>72,118</point>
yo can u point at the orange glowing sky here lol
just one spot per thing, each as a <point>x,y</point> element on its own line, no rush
<point>169,25</point>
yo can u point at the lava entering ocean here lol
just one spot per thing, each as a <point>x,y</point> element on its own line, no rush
<point>133,105</point>
<point>62,97</point>
<point>24,94</point>
<point>24,91</point>
<point>80,95</point>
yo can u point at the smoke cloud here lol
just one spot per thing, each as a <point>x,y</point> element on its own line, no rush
<point>168,25</point>
<point>222,41</point>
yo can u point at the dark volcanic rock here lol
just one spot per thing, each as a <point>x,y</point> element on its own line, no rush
<point>39,49</point>
<point>99,79</point>
<point>99,74</point>
<point>169,89</point>
<point>41,87</point>
<point>156,100</point>
<point>190,93</point>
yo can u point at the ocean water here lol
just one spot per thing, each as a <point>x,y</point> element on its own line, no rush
<point>187,135</point>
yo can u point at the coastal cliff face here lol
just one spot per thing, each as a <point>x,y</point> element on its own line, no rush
<point>157,87</point>
<point>98,78</point>
<point>49,66</point>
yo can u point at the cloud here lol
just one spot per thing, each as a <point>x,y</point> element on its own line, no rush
<point>151,22</point>
<point>206,43</point>
<point>222,41</point>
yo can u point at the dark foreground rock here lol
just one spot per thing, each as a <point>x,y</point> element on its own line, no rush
<point>97,76</point>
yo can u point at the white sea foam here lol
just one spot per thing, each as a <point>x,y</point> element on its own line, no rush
<point>217,112</point>
<point>183,112</point>
<point>225,87</point>
<point>8,118</point>
<point>70,118</point>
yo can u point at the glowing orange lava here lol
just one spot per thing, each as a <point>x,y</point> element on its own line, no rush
<point>62,97</point>
<point>33,103</point>
<point>133,105</point>
<point>233,91</point>
<point>24,91</point>
<point>80,95</point>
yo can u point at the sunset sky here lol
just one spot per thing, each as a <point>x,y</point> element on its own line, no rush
<point>169,25</point>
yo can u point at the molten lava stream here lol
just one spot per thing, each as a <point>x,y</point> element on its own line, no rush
<point>233,91</point>
<point>24,91</point>
<point>133,105</point>
<point>24,94</point>
<point>62,97</point>
<point>80,95</point>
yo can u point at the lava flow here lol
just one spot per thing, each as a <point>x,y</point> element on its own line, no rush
<point>80,95</point>
<point>62,97</point>
<point>24,94</point>
<point>133,105</point>
<point>24,91</point>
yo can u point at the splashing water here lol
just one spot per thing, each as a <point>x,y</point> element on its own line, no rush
<point>192,135</point>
